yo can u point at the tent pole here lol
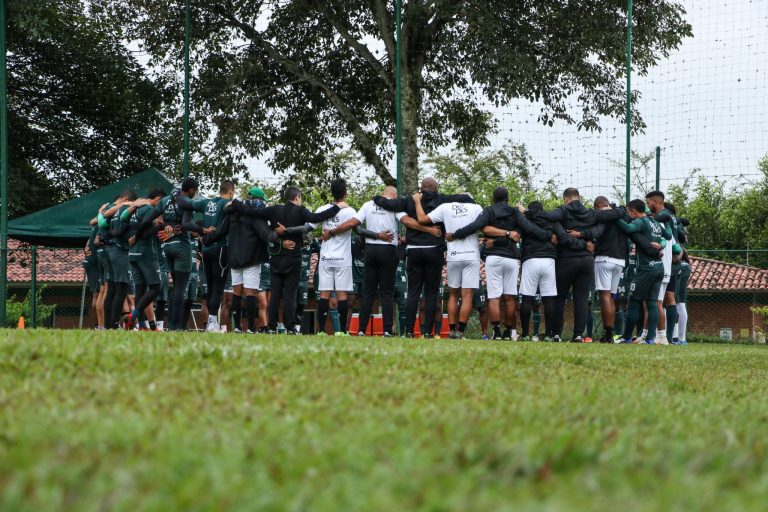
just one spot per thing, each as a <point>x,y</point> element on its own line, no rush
<point>33,290</point>
<point>3,170</point>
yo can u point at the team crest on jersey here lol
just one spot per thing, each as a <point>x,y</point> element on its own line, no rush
<point>212,208</point>
<point>459,209</point>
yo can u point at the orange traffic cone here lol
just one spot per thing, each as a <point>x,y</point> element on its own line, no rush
<point>21,322</point>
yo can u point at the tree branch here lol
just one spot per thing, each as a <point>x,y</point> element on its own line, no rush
<point>360,48</point>
<point>386,26</point>
<point>364,142</point>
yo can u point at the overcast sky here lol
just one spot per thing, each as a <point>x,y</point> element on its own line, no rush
<point>705,106</point>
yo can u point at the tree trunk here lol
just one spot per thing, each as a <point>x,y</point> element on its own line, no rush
<point>410,113</point>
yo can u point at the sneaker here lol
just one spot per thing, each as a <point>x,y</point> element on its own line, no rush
<point>237,331</point>
<point>361,334</point>
<point>250,332</point>
<point>223,329</point>
<point>454,335</point>
<point>662,340</point>
<point>547,339</point>
<point>321,333</point>
<point>587,340</point>
<point>212,325</point>
<point>341,334</point>
<point>683,342</point>
<point>556,339</point>
<point>524,338</point>
<point>577,339</point>
<point>649,341</point>
<point>536,338</point>
<point>485,337</point>
<point>496,335</point>
<point>388,335</point>
<point>507,336</point>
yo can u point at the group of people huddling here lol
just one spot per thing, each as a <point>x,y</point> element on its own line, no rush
<point>255,258</point>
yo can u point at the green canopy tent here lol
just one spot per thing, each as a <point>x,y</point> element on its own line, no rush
<point>67,224</point>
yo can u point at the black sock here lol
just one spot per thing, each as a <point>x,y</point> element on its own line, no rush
<point>250,312</point>
<point>343,309</point>
<point>237,305</point>
<point>152,325</point>
<point>462,326</point>
<point>452,327</point>
<point>160,310</point>
<point>322,314</point>
<point>299,314</point>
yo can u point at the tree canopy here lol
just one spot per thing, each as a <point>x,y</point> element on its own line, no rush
<point>294,81</point>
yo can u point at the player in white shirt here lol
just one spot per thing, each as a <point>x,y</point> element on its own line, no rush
<point>381,259</point>
<point>463,258</point>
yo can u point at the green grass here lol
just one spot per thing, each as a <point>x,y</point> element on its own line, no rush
<point>118,421</point>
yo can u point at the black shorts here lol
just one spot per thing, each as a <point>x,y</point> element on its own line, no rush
<point>646,283</point>
<point>145,272</point>
<point>672,284</point>
<point>92,275</point>
<point>119,265</point>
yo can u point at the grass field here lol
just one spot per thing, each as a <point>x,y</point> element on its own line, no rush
<point>116,421</point>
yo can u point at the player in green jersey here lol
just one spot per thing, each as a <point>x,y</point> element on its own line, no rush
<point>144,261</point>
<point>649,273</point>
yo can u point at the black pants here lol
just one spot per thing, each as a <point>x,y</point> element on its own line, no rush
<point>577,273</point>
<point>380,268</point>
<point>425,269</point>
<point>215,264</point>
<point>285,272</point>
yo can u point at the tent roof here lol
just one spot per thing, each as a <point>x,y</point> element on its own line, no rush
<point>67,224</point>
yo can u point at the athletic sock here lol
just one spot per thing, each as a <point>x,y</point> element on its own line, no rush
<point>237,306</point>
<point>682,321</point>
<point>152,325</point>
<point>250,312</point>
<point>513,332</point>
<point>343,309</point>
<point>653,319</point>
<point>334,314</point>
<point>671,319</point>
<point>322,314</point>
<point>452,327</point>
<point>496,329</point>
<point>462,326</point>
<point>438,325</point>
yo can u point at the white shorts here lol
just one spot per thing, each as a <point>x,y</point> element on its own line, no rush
<point>607,276</point>
<point>335,279</point>
<point>464,274</point>
<point>501,276</point>
<point>663,289</point>
<point>249,277</point>
<point>538,274</point>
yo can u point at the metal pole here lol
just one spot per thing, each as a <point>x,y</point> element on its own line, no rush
<point>398,96</point>
<point>186,87</point>
<point>3,169</point>
<point>82,300</point>
<point>33,289</point>
<point>629,96</point>
<point>658,168</point>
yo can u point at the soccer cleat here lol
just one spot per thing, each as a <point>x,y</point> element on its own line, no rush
<point>577,339</point>
<point>341,334</point>
<point>223,329</point>
<point>587,340</point>
<point>683,342</point>
<point>388,335</point>
<point>649,341</point>
<point>536,338</point>
<point>507,336</point>
<point>250,332</point>
<point>662,340</point>
<point>524,338</point>
<point>237,331</point>
<point>485,337</point>
<point>556,338</point>
<point>454,336</point>
<point>321,334</point>
<point>361,334</point>
<point>547,339</point>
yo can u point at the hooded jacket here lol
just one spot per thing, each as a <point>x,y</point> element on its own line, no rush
<point>576,216</point>
<point>429,201</point>
<point>247,238</point>
<point>501,215</point>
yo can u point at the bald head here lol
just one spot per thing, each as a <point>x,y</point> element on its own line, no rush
<point>429,185</point>
<point>390,192</point>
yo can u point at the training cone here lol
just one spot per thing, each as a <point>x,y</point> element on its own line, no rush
<point>21,322</point>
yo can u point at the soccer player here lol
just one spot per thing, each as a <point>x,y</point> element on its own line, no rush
<point>381,260</point>
<point>575,266</point>
<point>165,285</point>
<point>681,299</point>
<point>401,288</point>
<point>463,258</point>
<point>649,273</point>
<point>215,258</point>
<point>655,200</point>
<point>91,268</point>
<point>286,264</point>
<point>359,246</point>
<point>311,246</point>
<point>503,226</point>
<point>177,210</point>
<point>264,292</point>
<point>425,248</point>
<point>538,276</point>
<point>144,262</point>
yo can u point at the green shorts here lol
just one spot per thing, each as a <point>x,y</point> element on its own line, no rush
<point>91,268</point>
<point>145,272</point>
<point>478,299</point>
<point>357,288</point>
<point>191,293</point>
<point>265,281</point>
<point>646,283</point>
<point>119,264</point>
<point>179,256</point>
<point>105,270</point>
<point>682,286</point>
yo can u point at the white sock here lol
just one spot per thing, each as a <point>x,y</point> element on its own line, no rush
<point>514,332</point>
<point>160,324</point>
<point>674,332</point>
<point>682,321</point>
<point>644,334</point>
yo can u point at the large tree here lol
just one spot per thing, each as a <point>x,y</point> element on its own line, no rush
<point>297,79</point>
<point>81,110</point>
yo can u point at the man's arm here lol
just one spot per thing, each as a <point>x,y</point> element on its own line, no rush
<point>629,227</point>
<point>384,236</point>
<point>454,198</point>
<point>393,205</point>
<point>146,222</point>
<point>594,233</point>
<point>531,229</point>
<point>246,209</point>
<point>645,245</point>
<point>421,216</point>
<point>479,223</point>
<point>411,223</point>
<point>189,224</point>
<point>300,230</point>
<point>322,216</point>
<point>556,215</point>
<point>610,215</point>
<point>346,226</point>
<point>500,233</point>
<point>567,240</point>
